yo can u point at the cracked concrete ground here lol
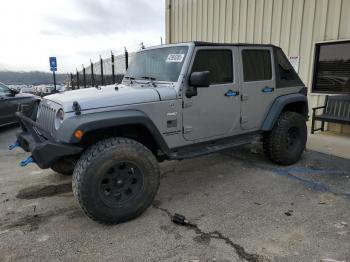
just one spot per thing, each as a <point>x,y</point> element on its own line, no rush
<point>242,207</point>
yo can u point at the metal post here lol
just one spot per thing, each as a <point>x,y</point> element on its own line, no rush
<point>54,81</point>
<point>78,84</point>
<point>84,77</point>
<point>92,74</point>
<point>101,63</point>
<point>142,45</point>
<point>71,81</point>
<point>126,59</point>
<point>112,60</point>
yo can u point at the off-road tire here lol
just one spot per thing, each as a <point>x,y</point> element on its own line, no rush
<point>277,143</point>
<point>63,167</point>
<point>95,163</point>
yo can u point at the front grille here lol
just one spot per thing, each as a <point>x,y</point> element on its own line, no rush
<point>46,119</point>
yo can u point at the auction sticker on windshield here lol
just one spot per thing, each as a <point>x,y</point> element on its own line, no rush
<point>175,58</point>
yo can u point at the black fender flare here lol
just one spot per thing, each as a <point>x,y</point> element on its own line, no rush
<point>277,108</point>
<point>99,120</point>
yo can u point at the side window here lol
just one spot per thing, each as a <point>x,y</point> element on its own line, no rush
<point>218,62</point>
<point>256,65</point>
<point>285,69</point>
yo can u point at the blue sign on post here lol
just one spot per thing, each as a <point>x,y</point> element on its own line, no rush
<point>53,64</point>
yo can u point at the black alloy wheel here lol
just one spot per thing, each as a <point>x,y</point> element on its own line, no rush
<point>120,183</point>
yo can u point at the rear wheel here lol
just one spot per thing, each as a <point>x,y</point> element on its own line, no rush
<point>285,143</point>
<point>115,180</point>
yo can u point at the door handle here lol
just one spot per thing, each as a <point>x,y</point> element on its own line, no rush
<point>231,93</point>
<point>268,89</point>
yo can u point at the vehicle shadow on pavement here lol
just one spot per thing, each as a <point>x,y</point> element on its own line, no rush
<point>318,171</point>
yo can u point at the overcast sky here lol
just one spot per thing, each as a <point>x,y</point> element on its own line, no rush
<point>74,30</point>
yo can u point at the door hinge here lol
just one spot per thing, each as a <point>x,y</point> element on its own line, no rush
<point>187,129</point>
<point>244,119</point>
<point>244,97</point>
<point>186,104</point>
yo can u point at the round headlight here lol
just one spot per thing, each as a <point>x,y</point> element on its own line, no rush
<point>59,118</point>
<point>60,114</point>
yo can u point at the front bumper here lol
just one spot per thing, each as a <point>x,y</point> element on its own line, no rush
<point>45,151</point>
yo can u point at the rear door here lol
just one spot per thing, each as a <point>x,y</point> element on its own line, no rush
<point>214,112</point>
<point>257,85</point>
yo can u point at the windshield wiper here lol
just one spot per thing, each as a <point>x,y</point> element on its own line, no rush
<point>152,79</point>
<point>129,77</point>
<point>149,78</point>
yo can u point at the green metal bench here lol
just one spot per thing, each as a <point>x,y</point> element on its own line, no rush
<point>335,110</point>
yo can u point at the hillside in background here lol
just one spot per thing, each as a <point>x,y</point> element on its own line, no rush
<point>30,78</point>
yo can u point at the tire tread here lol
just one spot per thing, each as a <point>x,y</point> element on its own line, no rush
<point>273,148</point>
<point>86,159</point>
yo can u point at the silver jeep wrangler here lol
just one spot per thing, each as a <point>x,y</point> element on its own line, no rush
<point>176,101</point>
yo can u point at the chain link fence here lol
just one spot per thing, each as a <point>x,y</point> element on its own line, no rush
<point>103,72</point>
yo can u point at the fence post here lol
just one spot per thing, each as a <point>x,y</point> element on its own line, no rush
<point>112,60</point>
<point>71,81</point>
<point>92,74</point>
<point>84,77</point>
<point>78,84</point>
<point>126,58</point>
<point>101,63</point>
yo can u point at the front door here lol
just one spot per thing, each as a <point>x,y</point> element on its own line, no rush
<point>257,85</point>
<point>215,110</point>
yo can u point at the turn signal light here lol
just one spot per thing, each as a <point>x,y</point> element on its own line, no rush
<point>78,134</point>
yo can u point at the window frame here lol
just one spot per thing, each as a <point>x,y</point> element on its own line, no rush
<point>257,48</point>
<point>316,51</point>
<point>215,48</point>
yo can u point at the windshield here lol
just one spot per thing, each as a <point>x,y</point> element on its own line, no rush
<point>162,64</point>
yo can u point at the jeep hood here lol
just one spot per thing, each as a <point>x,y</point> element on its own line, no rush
<point>106,96</point>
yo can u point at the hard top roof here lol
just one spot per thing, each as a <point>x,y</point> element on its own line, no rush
<point>200,43</point>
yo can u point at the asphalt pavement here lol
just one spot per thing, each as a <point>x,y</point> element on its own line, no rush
<point>241,208</point>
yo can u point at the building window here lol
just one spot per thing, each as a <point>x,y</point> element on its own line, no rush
<point>332,68</point>
<point>218,62</point>
<point>256,65</point>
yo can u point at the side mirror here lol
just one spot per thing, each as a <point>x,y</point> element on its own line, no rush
<point>13,92</point>
<point>197,80</point>
<point>200,79</point>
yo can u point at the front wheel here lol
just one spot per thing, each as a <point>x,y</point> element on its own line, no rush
<point>115,180</point>
<point>285,143</point>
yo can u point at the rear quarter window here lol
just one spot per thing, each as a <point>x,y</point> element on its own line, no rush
<point>285,73</point>
<point>285,69</point>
